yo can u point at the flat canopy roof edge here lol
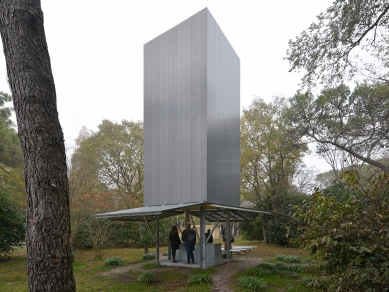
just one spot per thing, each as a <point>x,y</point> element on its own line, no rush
<point>213,212</point>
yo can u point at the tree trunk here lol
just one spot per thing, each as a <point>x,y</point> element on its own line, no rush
<point>32,85</point>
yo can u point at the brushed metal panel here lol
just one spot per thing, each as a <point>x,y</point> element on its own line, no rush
<point>190,97</point>
<point>223,118</point>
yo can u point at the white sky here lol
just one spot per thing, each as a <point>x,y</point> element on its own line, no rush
<point>96,51</point>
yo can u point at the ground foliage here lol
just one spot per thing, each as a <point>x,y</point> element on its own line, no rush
<point>347,227</point>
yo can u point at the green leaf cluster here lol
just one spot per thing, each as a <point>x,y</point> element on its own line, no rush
<point>347,226</point>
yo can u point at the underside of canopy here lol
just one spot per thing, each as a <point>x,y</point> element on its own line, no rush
<point>213,212</point>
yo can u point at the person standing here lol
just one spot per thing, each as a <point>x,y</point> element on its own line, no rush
<point>174,242</point>
<point>208,234</point>
<point>189,239</point>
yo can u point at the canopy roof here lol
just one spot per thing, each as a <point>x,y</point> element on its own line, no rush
<point>213,212</point>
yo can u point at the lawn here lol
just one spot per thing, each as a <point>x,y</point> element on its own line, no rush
<point>89,272</point>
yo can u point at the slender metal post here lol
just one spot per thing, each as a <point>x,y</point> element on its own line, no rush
<point>228,236</point>
<point>157,241</point>
<point>186,216</point>
<point>202,237</point>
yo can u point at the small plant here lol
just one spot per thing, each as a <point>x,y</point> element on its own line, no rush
<point>113,262</point>
<point>293,259</point>
<point>308,281</point>
<point>258,272</point>
<point>224,255</point>
<point>165,254</point>
<point>281,266</point>
<point>266,266</point>
<point>280,257</point>
<point>146,278</point>
<point>200,278</point>
<point>149,256</point>
<point>252,283</point>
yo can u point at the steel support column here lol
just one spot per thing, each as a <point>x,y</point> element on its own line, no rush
<point>157,241</point>
<point>228,236</point>
<point>202,237</point>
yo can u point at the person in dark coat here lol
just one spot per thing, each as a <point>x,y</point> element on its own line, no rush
<point>189,247</point>
<point>174,242</point>
<point>210,238</point>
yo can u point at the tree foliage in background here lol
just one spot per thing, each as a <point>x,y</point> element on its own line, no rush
<point>350,38</point>
<point>347,226</point>
<point>354,122</point>
<point>106,174</point>
<point>12,224</point>
<point>270,159</point>
<point>115,152</point>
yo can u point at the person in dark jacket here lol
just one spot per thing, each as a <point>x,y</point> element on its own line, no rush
<point>174,242</point>
<point>210,238</point>
<point>189,246</point>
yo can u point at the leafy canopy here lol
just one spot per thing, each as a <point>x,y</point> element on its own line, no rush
<point>350,37</point>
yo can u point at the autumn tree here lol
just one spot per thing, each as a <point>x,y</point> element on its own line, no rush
<point>270,157</point>
<point>117,153</point>
<point>350,38</point>
<point>41,138</point>
<point>355,122</point>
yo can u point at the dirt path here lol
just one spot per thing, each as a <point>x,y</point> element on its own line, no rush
<point>221,278</point>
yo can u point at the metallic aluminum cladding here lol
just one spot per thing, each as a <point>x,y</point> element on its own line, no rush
<point>191,115</point>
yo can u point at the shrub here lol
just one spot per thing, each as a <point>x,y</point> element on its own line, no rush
<point>200,278</point>
<point>280,257</point>
<point>266,266</point>
<point>258,272</point>
<point>113,262</point>
<point>346,226</point>
<point>293,259</point>
<point>146,278</point>
<point>165,254</point>
<point>149,256</point>
<point>252,283</point>
<point>280,266</point>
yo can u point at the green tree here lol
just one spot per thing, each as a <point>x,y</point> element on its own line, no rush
<point>270,157</point>
<point>12,225</point>
<point>350,37</point>
<point>355,123</point>
<point>118,152</point>
<point>347,226</point>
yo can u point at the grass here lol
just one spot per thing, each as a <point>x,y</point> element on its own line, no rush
<point>89,272</point>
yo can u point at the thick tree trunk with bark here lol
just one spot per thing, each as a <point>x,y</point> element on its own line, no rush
<point>32,85</point>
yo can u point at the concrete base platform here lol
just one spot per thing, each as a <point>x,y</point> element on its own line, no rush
<point>169,263</point>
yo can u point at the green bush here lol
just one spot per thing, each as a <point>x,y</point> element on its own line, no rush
<point>280,257</point>
<point>146,278</point>
<point>258,272</point>
<point>165,254</point>
<point>266,266</point>
<point>149,256</point>
<point>199,279</point>
<point>113,262</point>
<point>12,225</point>
<point>293,259</point>
<point>347,227</point>
<point>289,258</point>
<point>252,283</point>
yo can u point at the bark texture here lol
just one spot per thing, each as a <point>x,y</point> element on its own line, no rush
<point>32,85</point>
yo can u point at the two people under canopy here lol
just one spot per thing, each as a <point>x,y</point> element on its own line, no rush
<point>189,239</point>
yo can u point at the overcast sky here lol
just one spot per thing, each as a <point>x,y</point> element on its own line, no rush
<point>96,51</point>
